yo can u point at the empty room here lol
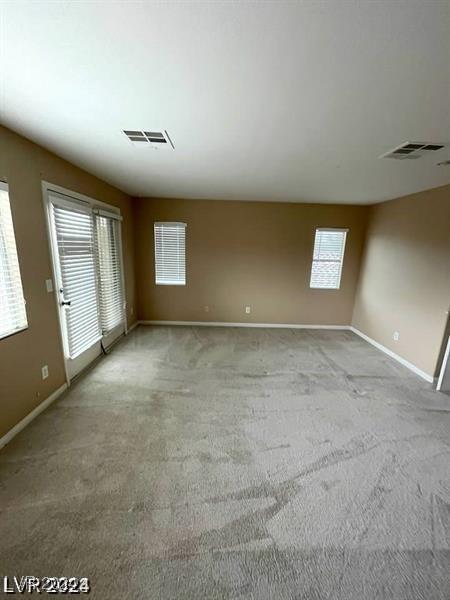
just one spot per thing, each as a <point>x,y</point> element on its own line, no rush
<point>224,299</point>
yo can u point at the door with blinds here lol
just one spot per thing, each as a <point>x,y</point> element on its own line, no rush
<point>88,272</point>
<point>109,276</point>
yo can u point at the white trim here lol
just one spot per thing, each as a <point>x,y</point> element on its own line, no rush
<point>51,250</point>
<point>13,332</point>
<point>226,324</point>
<point>332,229</point>
<point>444,366</point>
<point>115,341</point>
<point>122,280</point>
<point>130,329</point>
<point>176,257</point>
<point>377,345</point>
<point>70,197</point>
<point>396,357</point>
<point>122,270</point>
<point>79,362</point>
<point>108,214</point>
<point>46,403</point>
<point>4,187</point>
<point>340,261</point>
<point>93,202</point>
<point>31,416</point>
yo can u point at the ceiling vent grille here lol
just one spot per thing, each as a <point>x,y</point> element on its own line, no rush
<point>149,137</point>
<point>412,150</point>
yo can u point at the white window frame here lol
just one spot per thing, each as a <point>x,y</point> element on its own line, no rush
<point>340,261</point>
<point>5,187</point>
<point>168,224</point>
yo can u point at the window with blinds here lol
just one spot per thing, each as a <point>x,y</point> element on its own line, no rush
<point>73,230</point>
<point>328,257</point>
<point>109,273</point>
<point>170,253</point>
<point>13,317</point>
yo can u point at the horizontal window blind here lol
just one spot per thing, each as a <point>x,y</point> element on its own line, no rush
<point>75,243</point>
<point>170,253</point>
<point>109,273</point>
<point>12,304</point>
<point>329,246</point>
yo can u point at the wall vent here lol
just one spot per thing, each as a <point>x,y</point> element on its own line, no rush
<point>154,138</point>
<point>412,150</point>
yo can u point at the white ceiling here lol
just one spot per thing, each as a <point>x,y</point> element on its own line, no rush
<point>263,100</point>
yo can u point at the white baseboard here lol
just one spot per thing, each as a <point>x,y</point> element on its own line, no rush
<point>135,324</point>
<point>396,357</point>
<point>365,337</point>
<point>31,416</point>
<point>46,403</point>
<point>227,324</point>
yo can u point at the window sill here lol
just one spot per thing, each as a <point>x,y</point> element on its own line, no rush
<point>171,283</point>
<point>15,332</point>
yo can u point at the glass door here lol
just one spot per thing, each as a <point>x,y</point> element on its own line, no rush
<point>89,283</point>
<point>110,283</point>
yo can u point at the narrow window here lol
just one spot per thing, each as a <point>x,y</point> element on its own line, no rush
<point>13,316</point>
<point>170,253</point>
<point>109,272</point>
<point>328,257</point>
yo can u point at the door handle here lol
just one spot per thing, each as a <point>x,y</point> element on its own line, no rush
<point>68,303</point>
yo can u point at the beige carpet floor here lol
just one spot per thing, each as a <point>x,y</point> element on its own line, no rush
<point>222,463</point>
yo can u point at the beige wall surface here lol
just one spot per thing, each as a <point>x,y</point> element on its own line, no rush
<point>245,253</point>
<point>405,276</point>
<point>238,254</point>
<point>24,164</point>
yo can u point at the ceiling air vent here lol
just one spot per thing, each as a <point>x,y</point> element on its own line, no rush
<point>155,139</point>
<point>412,150</point>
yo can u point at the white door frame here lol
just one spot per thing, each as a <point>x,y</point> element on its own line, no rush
<point>77,363</point>
<point>72,196</point>
<point>445,368</point>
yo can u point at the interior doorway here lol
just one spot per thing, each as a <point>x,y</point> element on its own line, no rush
<point>443,383</point>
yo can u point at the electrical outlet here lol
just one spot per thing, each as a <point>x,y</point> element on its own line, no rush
<point>248,310</point>
<point>396,336</point>
<point>44,372</point>
<point>49,285</point>
<point>206,308</point>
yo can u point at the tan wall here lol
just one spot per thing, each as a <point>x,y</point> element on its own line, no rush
<point>405,276</point>
<point>24,165</point>
<point>241,253</point>
<point>238,253</point>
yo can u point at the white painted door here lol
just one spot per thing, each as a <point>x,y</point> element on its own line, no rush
<point>75,268</point>
<point>86,248</point>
